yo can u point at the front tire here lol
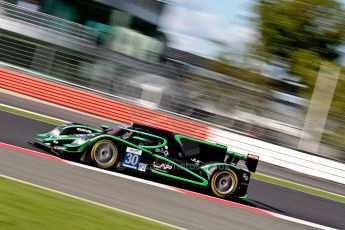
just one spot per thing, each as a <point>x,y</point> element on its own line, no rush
<point>224,183</point>
<point>104,153</point>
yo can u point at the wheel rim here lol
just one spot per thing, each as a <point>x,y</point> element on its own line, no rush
<point>224,182</point>
<point>105,153</point>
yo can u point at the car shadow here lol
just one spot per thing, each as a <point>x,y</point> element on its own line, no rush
<point>177,184</point>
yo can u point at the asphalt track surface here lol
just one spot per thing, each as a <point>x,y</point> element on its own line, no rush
<point>17,100</point>
<point>168,206</point>
<point>164,205</point>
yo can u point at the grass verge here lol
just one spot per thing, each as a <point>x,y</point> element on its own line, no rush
<point>27,207</point>
<point>298,187</point>
<point>31,115</point>
<point>256,176</point>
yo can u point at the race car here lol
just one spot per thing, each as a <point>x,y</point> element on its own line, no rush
<point>154,151</point>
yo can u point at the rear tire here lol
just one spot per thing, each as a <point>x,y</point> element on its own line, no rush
<point>104,153</point>
<point>224,183</point>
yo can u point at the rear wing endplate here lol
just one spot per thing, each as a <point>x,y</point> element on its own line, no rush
<point>252,162</point>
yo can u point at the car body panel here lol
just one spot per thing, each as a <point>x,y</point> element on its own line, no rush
<point>151,150</point>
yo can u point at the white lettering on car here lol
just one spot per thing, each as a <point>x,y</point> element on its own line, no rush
<point>162,166</point>
<point>84,130</point>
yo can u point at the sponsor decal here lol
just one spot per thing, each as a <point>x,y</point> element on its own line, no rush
<point>84,130</point>
<point>131,158</point>
<point>162,167</point>
<point>133,150</point>
<point>142,167</point>
<point>163,150</point>
<point>196,161</point>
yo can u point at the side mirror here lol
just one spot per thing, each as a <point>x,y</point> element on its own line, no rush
<point>105,127</point>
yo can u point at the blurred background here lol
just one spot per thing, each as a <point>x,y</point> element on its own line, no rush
<point>269,69</point>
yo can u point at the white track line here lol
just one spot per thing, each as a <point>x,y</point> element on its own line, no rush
<point>295,183</point>
<point>276,215</point>
<point>279,216</point>
<point>58,119</point>
<point>303,222</point>
<point>166,186</point>
<point>91,202</point>
<point>124,176</point>
<point>30,112</point>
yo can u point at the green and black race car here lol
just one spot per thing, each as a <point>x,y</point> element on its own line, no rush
<point>154,151</point>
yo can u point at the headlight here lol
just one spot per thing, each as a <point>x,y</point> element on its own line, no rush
<point>55,132</point>
<point>78,141</point>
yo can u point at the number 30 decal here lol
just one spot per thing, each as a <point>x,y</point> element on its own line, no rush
<point>132,159</point>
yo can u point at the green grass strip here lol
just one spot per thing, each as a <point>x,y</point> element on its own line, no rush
<point>299,187</point>
<point>27,207</point>
<point>257,176</point>
<point>31,115</point>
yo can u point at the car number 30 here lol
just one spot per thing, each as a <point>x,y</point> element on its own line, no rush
<point>132,159</point>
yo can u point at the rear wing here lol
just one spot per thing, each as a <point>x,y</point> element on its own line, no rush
<point>251,160</point>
